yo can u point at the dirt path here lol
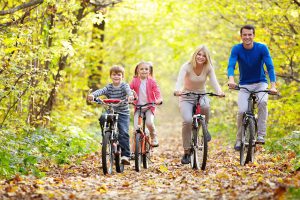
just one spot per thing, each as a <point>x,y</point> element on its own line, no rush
<point>224,178</point>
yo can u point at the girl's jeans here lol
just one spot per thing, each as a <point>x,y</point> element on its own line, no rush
<point>262,107</point>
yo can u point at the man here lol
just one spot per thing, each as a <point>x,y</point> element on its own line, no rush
<point>251,57</point>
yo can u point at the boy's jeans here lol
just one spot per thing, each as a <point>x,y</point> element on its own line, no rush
<point>123,126</point>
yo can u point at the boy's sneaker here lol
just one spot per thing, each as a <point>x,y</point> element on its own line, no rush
<point>132,156</point>
<point>186,159</point>
<point>260,139</point>
<point>154,142</point>
<point>208,137</point>
<point>125,160</point>
<point>238,145</point>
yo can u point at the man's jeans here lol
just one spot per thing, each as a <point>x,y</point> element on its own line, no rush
<point>262,107</point>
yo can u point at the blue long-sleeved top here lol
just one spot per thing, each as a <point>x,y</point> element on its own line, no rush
<point>251,63</point>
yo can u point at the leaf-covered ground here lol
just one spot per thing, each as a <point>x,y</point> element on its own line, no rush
<point>268,178</point>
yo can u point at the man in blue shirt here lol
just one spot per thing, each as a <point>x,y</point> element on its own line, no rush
<point>251,57</point>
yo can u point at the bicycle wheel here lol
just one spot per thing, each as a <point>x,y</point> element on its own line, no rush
<point>201,147</point>
<point>107,154</point>
<point>119,165</point>
<point>146,155</point>
<point>247,147</point>
<point>137,153</point>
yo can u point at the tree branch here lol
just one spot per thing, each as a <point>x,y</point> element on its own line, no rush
<point>297,2</point>
<point>21,7</point>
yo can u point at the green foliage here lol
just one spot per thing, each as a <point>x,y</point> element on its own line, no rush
<point>23,152</point>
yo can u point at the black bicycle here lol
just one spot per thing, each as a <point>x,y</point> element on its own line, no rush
<point>199,143</point>
<point>111,149</point>
<point>142,141</point>
<point>249,133</point>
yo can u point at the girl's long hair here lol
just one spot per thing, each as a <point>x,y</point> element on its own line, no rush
<point>207,64</point>
<point>143,62</point>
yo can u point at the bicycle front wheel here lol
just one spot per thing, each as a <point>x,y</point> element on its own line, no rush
<point>247,147</point>
<point>119,165</point>
<point>200,146</point>
<point>138,152</point>
<point>107,154</point>
<point>146,154</point>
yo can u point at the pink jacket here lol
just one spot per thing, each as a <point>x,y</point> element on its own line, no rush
<point>153,92</point>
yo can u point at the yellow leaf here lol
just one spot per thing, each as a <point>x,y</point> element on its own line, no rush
<point>163,168</point>
<point>102,189</point>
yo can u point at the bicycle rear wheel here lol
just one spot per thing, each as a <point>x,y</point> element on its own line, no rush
<point>247,147</point>
<point>200,146</point>
<point>107,154</point>
<point>138,152</point>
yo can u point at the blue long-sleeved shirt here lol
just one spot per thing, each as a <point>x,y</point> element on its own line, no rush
<point>251,63</point>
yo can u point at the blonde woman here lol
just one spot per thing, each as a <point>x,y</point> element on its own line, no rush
<point>192,77</point>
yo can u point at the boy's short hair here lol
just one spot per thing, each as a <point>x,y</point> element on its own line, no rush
<point>116,69</point>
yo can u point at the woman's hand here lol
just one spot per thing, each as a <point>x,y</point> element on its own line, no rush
<point>221,94</point>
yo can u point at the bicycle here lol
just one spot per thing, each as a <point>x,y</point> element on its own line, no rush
<point>142,141</point>
<point>111,149</point>
<point>199,143</point>
<point>249,133</point>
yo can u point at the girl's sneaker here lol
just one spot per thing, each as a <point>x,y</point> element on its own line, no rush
<point>125,160</point>
<point>260,139</point>
<point>154,142</point>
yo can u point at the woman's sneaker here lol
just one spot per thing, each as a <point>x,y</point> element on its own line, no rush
<point>186,159</point>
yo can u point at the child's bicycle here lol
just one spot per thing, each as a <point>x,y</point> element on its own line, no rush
<point>142,141</point>
<point>199,146</point>
<point>249,133</point>
<point>111,149</point>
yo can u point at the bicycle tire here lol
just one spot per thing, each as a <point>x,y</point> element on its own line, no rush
<point>107,154</point>
<point>137,152</point>
<point>247,146</point>
<point>119,165</point>
<point>200,146</point>
<point>146,155</point>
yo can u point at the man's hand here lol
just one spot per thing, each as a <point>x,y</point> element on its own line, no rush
<point>273,89</point>
<point>231,82</point>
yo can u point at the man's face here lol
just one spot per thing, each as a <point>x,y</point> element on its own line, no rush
<point>116,78</point>
<point>247,37</point>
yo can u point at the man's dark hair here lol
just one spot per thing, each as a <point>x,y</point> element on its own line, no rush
<point>248,26</point>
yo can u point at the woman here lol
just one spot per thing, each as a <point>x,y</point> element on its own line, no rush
<point>192,78</point>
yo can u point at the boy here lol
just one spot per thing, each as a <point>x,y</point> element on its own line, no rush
<point>118,90</point>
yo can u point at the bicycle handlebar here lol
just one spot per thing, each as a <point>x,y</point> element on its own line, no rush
<point>109,102</point>
<point>146,104</point>
<point>255,92</point>
<point>198,94</point>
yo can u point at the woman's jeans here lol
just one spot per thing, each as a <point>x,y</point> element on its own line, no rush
<point>186,105</point>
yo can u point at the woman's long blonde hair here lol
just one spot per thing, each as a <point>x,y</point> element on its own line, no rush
<point>208,63</point>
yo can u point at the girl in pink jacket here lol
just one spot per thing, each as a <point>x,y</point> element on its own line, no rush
<point>147,92</point>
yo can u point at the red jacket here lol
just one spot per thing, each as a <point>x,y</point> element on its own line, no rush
<point>152,90</point>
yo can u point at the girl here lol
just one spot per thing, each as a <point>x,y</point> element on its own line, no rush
<point>192,78</point>
<point>147,91</point>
